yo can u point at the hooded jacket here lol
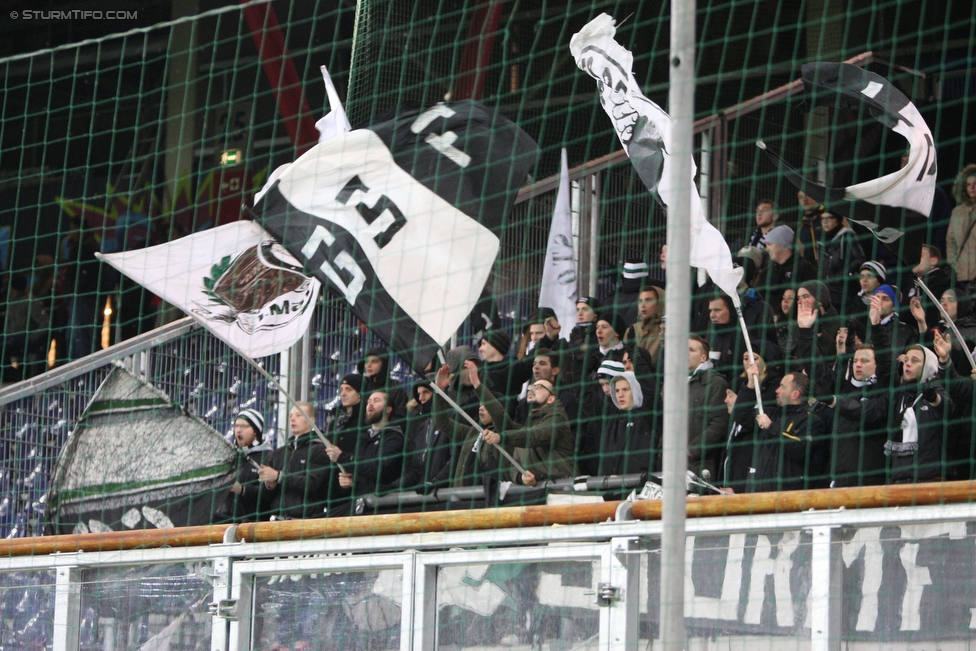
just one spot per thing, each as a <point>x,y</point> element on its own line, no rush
<point>428,451</point>
<point>397,397</point>
<point>917,441</point>
<point>627,442</point>
<point>841,258</point>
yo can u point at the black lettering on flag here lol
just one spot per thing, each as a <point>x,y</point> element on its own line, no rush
<point>371,214</point>
<point>314,252</point>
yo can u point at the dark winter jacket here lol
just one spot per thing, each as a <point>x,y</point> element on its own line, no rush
<point>786,453</point>
<point>302,487</point>
<point>708,420</point>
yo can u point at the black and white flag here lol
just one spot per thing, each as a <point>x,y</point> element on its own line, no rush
<point>403,218</point>
<point>890,204</point>
<point>644,130</point>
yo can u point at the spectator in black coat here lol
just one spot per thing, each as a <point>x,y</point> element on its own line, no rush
<point>627,444</point>
<point>785,269</point>
<point>917,442</point>
<point>739,465</point>
<point>343,425</point>
<point>860,423</point>
<point>297,475</point>
<point>247,500</point>
<point>788,439</point>
<point>428,458</point>
<point>374,464</point>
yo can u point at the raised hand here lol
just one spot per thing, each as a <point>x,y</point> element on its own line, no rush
<point>552,328</point>
<point>875,312</point>
<point>942,345</point>
<point>805,316</point>
<point>443,377</point>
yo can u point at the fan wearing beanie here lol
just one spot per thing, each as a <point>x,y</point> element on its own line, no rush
<point>505,375</point>
<point>247,496</point>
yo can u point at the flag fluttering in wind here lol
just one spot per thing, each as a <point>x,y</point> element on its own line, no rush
<point>235,280</point>
<point>888,205</point>
<point>334,123</point>
<point>331,125</point>
<point>644,130</point>
<point>559,273</point>
<point>403,219</point>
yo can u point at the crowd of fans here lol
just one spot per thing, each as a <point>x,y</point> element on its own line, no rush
<point>854,378</point>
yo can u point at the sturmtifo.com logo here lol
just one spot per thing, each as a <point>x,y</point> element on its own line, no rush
<point>74,14</point>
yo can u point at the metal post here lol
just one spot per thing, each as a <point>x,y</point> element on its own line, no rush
<point>681,106</point>
<point>826,589</point>
<point>67,608</point>
<point>594,232</point>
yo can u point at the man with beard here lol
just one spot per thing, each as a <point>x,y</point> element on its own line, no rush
<point>375,369</point>
<point>544,445</point>
<point>860,423</point>
<point>298,473</point>
<point>917,439</point>
<point>375,463</point>
<point>787,439</point>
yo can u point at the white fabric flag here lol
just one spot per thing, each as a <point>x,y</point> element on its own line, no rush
<point>235,280</point>
<point>334,123</point>
<point>644,130</point>
<point>559,273</point>
<point>331,125</point>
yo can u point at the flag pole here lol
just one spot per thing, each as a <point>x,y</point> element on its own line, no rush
<point>294,403</point>
<point>949,322</point>
<point>681,105</point>
<point>475,424</point>
<point>752,357</point>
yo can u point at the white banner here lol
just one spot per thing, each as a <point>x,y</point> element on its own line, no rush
<point>559,273</point>
<point>644,129</point>
<point>235,280</point>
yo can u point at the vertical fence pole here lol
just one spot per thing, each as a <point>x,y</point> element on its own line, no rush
<point>681,102</point>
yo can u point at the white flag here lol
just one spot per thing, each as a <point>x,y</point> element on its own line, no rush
<point>644,129</point>
<point>334,123</point>
<point>331,125</point>
<point>559,273</point>
<point>235,280</point>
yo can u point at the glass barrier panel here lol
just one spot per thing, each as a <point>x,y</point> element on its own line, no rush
<point>27,610</point>
<point>518,606</point>
<point>331,611</point>
<point>146,607</point>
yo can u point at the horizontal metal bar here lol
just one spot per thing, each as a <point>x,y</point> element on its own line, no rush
<point>62,374</point>
<point>584,534</point>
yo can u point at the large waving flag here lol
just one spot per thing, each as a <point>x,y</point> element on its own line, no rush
<point>887,205</point>
<point>403,218</point>
<point>235,280</point>
<point>559,273</point>
<point>644,130</point>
